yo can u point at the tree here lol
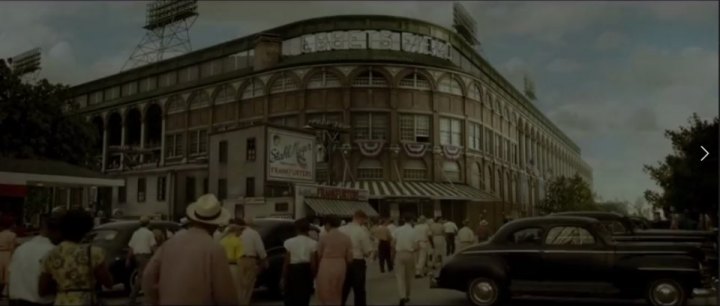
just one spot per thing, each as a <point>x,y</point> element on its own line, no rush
<point>567,194</point>
<point>34,122</point>
<point>688,184</point>
<point>614,206</point>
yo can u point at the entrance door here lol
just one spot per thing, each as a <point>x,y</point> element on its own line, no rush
<point>408,209</point>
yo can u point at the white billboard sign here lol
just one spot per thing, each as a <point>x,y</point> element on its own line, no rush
<point>291,156</point>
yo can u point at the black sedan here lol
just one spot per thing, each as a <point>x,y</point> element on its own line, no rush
<point>572,256</point>
<point>114,237</point>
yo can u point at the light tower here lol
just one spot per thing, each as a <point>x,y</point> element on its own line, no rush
<point>167,33</point>
<point>26,65</point>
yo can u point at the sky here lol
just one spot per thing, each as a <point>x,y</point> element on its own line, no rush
<point>612,75</point>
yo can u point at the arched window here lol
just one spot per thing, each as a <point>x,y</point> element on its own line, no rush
<point>255,88</point>
<point>370,78</point>
<point>452,171</point>
<point>323,79</point>
<point>370,169</point>
<point>415,170</point>
<point>199,99</point>
<point>450,85</point>
<point>284,83</point>
<point>175,104</point>
<point>474,92</point>
<point>226,94</point>
<point>415,81</point>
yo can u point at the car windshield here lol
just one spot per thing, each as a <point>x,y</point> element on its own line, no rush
<point>103,236</point>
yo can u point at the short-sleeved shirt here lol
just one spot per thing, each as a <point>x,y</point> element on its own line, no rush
<point>142,241</point>
<point>233,247</point>
<point>69,266</point>
<point>360,237</point>
<point>301,248</point>
<point>406,238</point>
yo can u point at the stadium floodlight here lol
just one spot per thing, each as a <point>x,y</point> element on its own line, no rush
<point>464,24</point>
<point>26,62</point>
<point>168,26</point>
<point>164,12</point>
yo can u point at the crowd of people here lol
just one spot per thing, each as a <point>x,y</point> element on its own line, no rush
<point>222,258</point>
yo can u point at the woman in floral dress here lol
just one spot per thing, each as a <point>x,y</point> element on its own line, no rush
<point>69,269</point>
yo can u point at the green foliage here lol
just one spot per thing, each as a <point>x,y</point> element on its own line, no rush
<point>614,206</point>
<point>567,194</point>
<point>34,122</point>
<point>688,184</point>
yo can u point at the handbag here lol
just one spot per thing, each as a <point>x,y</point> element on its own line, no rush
<point>94,292</point>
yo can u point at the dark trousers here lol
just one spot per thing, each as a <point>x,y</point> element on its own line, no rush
<point>299,286</point>
<point>14,302</point>
<point>141,261</point>
<point>384,256</point>
<point>450,242</point>
<point>355,280</point>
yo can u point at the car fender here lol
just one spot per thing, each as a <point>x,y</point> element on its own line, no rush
<point>642,269</point>
<point>462,269</point>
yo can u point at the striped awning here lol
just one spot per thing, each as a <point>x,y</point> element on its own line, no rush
<point>339,208</point>
<point>426,190</point>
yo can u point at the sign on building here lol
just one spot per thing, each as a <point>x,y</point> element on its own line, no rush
<point>291,156</point>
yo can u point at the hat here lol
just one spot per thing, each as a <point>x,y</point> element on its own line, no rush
<point>144,219</point>
<point>422,219</point>
<point>184,221</point>
<point>207,209</point>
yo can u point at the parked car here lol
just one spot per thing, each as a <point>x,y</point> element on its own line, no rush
<point>571,256</point>
<point>114,237</point>
<point>274,232</point>
<point>623,229</point>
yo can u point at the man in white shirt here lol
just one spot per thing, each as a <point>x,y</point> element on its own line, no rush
<point>465,236</point>
<point>254,259</point>
<point>438,239</point>
<point>450,231</point>
<point>141,246</point>
<point>424,237</point>
<point>362,248</point>
<point>25,266</point>
<point>404,245</point>
<point>300,263</point>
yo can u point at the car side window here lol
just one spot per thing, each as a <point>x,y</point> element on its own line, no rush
<point>615,227</point>
<point>527,236</point>
<point>569,235</point>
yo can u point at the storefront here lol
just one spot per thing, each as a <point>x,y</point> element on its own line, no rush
<point>321,201</point>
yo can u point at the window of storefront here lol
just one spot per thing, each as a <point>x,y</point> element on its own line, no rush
<point>415,170</point>
<point>141,185</point>
<point>223,152</point>
<point>222,189</point>
<point>323,79</point>
<point>370,79</point>
<point>452,171</point>
<point>450,85</point>
<point>190,189</point>
<point>415,81</point>
<point>370,126</point>
<point>370,169</point>
<point>284,83</point>
<point>174,144</point>
<point>475,137</point>
<point>415,128</point>
<point>250,149</point>
<point>198,142</point>
<point>450,131</point>
<point>161,188</point>
<point>250,187</point>
<point>122,194</point>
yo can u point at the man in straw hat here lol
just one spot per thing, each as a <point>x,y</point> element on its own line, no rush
<point>253,261</point>
<point>140,248</point>
<point>201,275</point>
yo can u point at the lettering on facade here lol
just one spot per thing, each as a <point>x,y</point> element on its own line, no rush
<point>364,40</point>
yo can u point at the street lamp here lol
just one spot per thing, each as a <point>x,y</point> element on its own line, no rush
<point>331,132</point>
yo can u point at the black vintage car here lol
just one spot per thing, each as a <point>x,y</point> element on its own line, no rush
<point>571,256</point>
<point>274,232</point>
<point>623,229</point>
<point>114,237</point>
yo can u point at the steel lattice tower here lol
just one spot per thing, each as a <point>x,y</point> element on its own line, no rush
<point>167,32</point>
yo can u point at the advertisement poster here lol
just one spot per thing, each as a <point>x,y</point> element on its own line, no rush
<point>291,156</point>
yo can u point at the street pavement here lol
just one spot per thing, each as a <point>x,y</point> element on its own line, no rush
<point>381,290</point>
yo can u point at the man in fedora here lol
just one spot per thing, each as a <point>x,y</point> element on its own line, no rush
<point>191,268</point>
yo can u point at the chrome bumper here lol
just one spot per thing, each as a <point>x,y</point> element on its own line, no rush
<point>698,292</point>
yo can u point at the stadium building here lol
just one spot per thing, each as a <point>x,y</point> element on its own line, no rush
<point>434,129</point>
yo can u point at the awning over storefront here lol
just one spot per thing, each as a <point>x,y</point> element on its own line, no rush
<point>431,190</point>
<point>25,172</point>
<point>340,208</point>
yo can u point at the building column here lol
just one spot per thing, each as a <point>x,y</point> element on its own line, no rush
<point>122,145</point>
<point>104,148</point>
<point>162,143</point>
<point>142,138</point>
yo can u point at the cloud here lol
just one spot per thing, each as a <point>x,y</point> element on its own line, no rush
<point>563,65</point>
<point>643,120</point>
<point>610,40</point>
